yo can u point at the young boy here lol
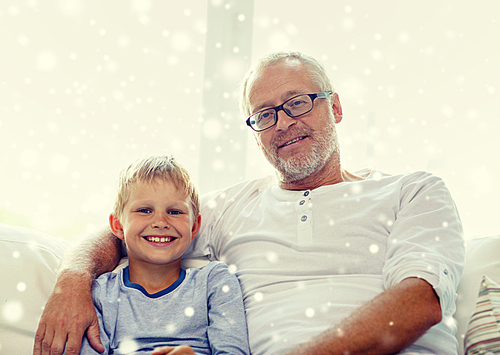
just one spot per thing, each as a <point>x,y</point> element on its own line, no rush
<point>154,302</point>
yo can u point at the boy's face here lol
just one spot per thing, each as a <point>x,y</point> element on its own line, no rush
<point>157,223</point>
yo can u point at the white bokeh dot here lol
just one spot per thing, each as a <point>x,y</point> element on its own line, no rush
<point>71,8</point>
<point>180,41</point>
<point>128,346</point>
<point>258,296</point>
<point>310,312</point>
<point>272,257</point>
<point>404,37</point>
<point>232,269</point>
<point>46,61</point>
<point>212,128</point>
<point>141,6</point>
<point>12,311</point>
<point>374,248</point>
<point>218,164</point>
<point>171,328</point>
<point>59,163</point>
<point>189,311</point>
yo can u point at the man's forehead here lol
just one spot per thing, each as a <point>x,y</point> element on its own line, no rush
<point>280,81</point>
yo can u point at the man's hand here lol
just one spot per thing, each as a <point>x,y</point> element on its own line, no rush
<point>173,350</point>
<point>68,313</point>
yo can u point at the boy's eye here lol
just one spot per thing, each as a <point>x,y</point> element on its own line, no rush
<point>175,212</point>
<point>144,210</point>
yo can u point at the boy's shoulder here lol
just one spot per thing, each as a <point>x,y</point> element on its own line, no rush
<point>213,270</point>
<point>107,281</point>
<point>210,267</point>
<point>112,276</point>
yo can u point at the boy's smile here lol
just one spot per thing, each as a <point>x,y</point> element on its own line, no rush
<point>159,240</point>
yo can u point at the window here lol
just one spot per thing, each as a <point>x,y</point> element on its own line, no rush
<point>87,87</point>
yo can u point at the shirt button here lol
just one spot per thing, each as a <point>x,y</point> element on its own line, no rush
<point>306,193</point>
<point>303,218</point>
<point>445,271</point>
<point>302,202</point>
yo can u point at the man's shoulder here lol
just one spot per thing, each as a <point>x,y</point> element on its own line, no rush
<point>240,191</point>
<point>415,176</point>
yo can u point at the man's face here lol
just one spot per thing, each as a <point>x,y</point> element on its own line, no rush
<point>296,147</point>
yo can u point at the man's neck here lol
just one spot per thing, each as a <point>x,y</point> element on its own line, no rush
<point>326,176</point>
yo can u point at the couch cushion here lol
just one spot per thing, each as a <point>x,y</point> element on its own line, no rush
<point>482,258</point>
<point>28,264</point>
<point>483,333</point>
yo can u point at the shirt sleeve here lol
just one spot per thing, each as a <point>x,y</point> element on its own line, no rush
<point>427,239</point>
<point>227,328</point>
<point>86,348</point>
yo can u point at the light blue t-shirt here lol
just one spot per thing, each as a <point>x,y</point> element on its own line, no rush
<point>202,309</point>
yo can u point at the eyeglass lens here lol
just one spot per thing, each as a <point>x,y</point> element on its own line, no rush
<point>296,106</point>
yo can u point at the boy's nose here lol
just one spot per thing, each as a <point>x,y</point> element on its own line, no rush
<point>161,222</point>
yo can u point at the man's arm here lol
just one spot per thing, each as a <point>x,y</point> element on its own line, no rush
<point>386,325</point>
<point>69,311</point>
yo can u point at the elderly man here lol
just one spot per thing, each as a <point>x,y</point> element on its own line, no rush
<point>329,262</point>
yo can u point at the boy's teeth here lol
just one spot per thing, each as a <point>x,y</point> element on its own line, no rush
<point>159,240</point>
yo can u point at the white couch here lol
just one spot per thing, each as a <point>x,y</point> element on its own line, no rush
<point>29,260</point>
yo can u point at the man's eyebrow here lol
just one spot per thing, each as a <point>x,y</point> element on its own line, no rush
<point>285,96</point>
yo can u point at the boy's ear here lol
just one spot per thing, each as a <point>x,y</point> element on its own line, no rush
<point>116,226</point>
<point>196,226</point>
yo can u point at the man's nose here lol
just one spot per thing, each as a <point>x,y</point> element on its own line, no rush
<point>284,121</point>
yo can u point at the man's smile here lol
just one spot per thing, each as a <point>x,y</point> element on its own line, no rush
<point>292,141</point>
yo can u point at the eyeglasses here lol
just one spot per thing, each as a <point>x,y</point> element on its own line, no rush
<point>294,107</point>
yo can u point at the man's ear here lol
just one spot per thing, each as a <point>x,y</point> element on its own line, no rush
<point>116,226</point>
<point>337,108</point>
<point>196,226</point>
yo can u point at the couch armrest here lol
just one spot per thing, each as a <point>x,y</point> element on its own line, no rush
<point>28,265</point>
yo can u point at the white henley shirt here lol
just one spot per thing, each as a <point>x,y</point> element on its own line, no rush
<point>307,259</point>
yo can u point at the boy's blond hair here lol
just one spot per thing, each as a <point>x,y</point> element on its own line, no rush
<point>161,167</point>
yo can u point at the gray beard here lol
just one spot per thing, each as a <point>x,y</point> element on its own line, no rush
<point>301,166</point>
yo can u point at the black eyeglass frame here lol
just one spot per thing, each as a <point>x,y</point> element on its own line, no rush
<point>313,96</point>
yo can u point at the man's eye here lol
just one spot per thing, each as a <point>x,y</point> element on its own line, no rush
<point>297,103</point>
<point>265,117</point>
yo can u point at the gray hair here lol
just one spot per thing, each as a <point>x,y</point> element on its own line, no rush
<point>316,71</point>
